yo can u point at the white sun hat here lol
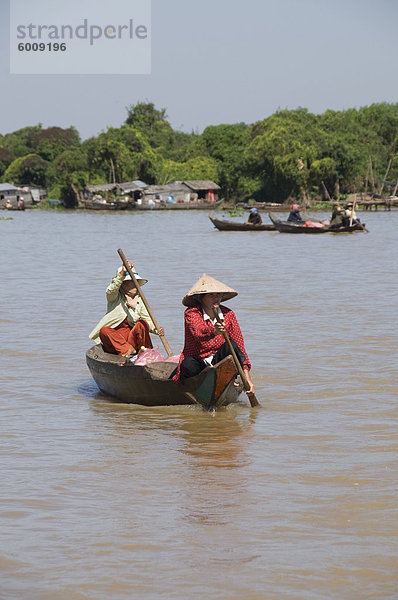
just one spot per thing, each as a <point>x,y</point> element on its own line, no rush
<point>140,280</point>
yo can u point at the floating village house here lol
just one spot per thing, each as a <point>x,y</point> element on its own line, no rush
<point>139,193</point>
<point>8,192</point>
<point>103,190</point>
<point>31,195</point>
<point>181,192</point>
<point>204,190</point>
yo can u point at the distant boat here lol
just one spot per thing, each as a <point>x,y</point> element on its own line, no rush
<point>223,225</point>
<point>289,227</point>
<point>123,204</point>
<point>191,205</point>
<point>151,385</point>
<point>99,205</point>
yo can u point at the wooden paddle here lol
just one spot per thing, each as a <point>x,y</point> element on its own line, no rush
<point>356,220</point>
<point>141,293</point>
<point>252,398</point>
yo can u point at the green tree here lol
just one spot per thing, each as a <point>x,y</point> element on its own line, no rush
<point>68,175</point>
<point>29,169</point>
<point>22,141</point>
<point>202,167</point>
<point>6,158</point>
<point>280,154</point>
<point>144,116</point>
<point>227,144</point>
<point>53,141</point>
<point>108,157</point>
<point>157,131</point>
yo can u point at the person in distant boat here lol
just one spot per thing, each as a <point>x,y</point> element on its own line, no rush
<point>21,203</point>
<point>350,216</point>
<point>204,343</point>
<point>126,324</point>
<point>295,216</point>
<point>336,220</point>
<point>254,217</point>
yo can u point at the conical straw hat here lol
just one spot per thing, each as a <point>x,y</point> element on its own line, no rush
<point>208,285</point>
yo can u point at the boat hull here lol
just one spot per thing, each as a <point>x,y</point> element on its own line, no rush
<point>223,225</point>
<point>150,385</point>
<point>286,227</point>
<point>194,205</point>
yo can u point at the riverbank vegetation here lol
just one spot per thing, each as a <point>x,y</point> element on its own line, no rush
<point>293,154</point>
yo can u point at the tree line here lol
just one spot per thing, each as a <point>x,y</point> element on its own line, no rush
<point>292,154</point>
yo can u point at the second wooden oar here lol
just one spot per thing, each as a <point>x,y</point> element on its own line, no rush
<point>252,398</point>
<point>141,293</point>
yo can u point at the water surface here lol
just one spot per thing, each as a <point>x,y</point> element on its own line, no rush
<point>103,500</point>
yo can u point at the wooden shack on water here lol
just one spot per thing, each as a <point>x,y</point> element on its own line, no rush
<point>204,190</point>
<point>11,194</point>
<point>138,194</point>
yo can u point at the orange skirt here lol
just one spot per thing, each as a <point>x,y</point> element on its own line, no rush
<point>117,340</point>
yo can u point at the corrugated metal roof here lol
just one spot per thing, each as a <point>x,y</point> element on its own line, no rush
<point>127,186</point>
<point>166,189</point>
<point>132,186</point>
<point>102,187</point>
<point>140,183</point>
<point>201,185</point>
<point>7,186</point>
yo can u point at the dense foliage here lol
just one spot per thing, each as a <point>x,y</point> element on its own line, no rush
<point>291,154</point>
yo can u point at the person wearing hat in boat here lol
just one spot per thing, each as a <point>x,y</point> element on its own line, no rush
<point>204,343</point>
<point>295,216</point>
<point>336,220</point>
<point>126,324</point>
<point>254,217</point>
<point>350,215</point>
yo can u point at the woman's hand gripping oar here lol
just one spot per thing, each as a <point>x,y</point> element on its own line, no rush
<point>356,221</point>
<point>141,293</point>
<point>252,398</point>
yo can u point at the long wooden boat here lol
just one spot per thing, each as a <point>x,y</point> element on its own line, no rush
<point>151,385</point>
<point>288,227</point>
<point>223,225</point>
<point>95,205</point>
<point>194,205</point>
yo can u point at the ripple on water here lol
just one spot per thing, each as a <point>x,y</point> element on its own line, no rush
<point>295,500</point>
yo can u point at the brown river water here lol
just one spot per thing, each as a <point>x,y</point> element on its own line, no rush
<point>296,500</point>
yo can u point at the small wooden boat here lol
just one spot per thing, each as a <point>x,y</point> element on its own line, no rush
<point>223,225</point>
<point>288,227</point>
<point>151,385</point>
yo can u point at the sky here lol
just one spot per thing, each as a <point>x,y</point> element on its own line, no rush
<point>218,61</point>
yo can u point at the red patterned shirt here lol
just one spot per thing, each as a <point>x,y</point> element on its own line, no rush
<point>199,335</point>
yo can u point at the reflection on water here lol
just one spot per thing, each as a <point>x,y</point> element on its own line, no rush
<point>294,500</point>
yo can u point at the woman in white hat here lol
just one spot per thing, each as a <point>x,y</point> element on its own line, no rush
<point>350,216</point>
<point>204,343</point>
<point>126,324</point>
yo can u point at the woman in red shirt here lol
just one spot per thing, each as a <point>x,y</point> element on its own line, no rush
<point>204,342</point>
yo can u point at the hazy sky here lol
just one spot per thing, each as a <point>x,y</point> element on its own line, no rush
<point>219,61</point>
